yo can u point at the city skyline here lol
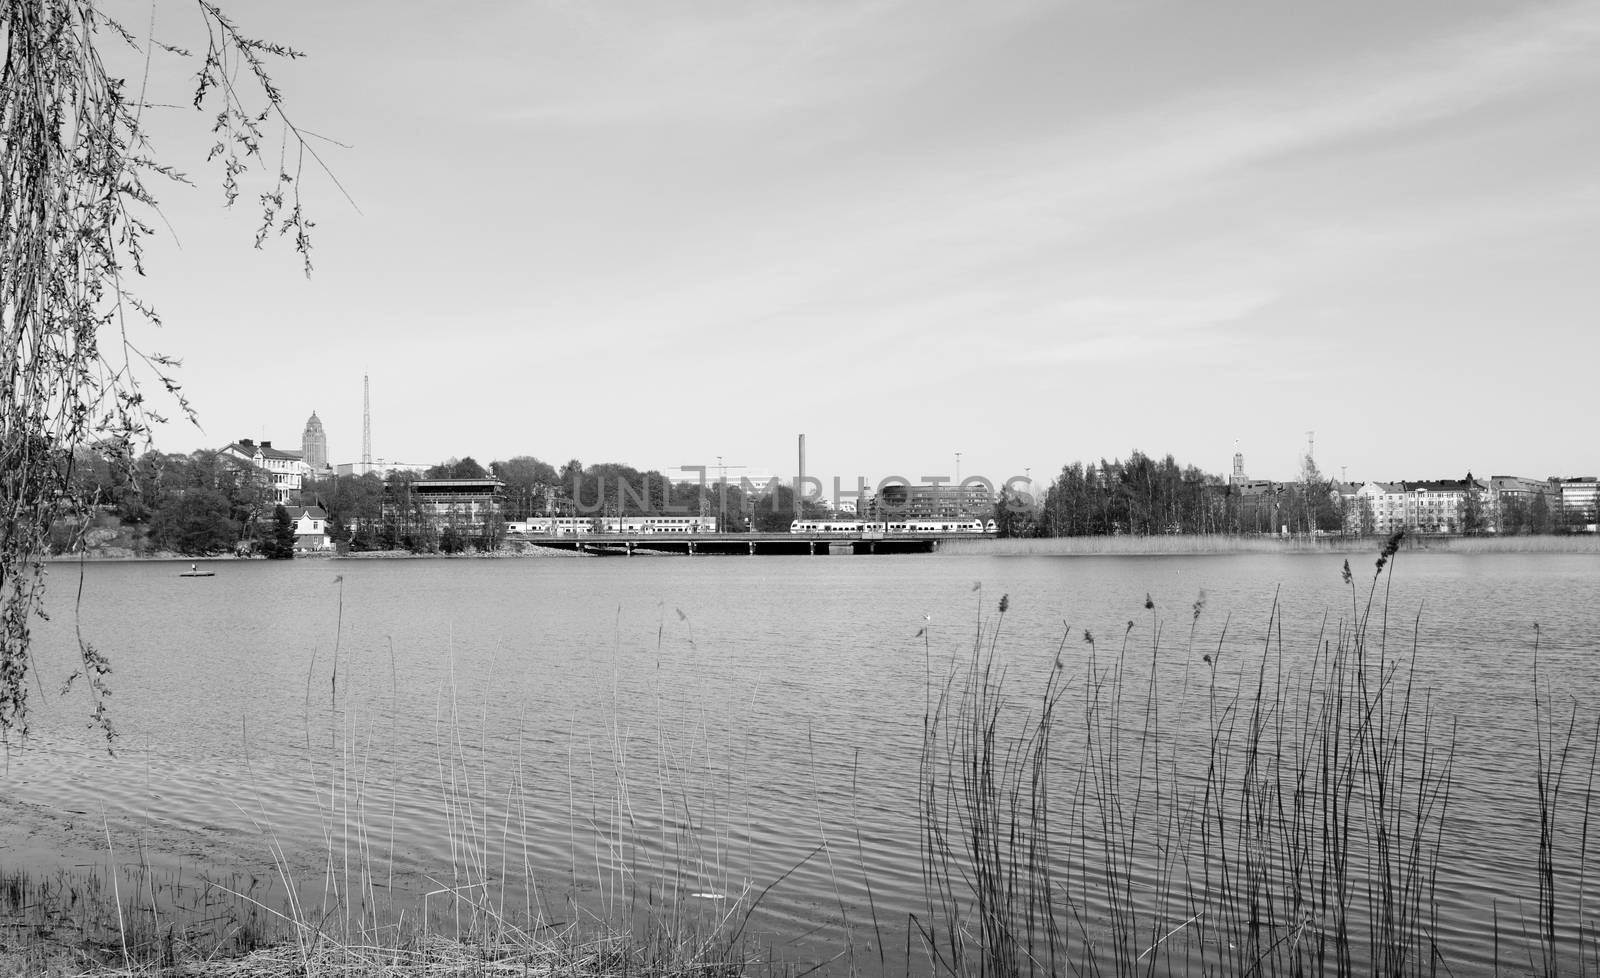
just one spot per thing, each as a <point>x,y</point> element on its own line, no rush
<point>1028,233</point>
<point>712,472</point>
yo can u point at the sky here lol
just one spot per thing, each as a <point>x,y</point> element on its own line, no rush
<point>1003,236</point>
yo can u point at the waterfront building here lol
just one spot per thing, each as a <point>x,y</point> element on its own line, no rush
<point>283,471</point>
<point>468,505</point>
<point>1515,498</point>
<point>1380,507</point>
<point>1580,503</point>
<point>1434,506</point>
<point>310,528</point>
<point>1507,487</point>
<point>1255,502</point>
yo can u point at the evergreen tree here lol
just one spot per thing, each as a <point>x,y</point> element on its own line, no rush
<point>281,544</point>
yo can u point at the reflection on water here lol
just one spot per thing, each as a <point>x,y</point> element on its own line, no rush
<point>713,725</point>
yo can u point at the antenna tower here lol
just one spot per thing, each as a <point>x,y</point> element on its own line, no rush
<point>366,424</point>
<point>1311,451</point>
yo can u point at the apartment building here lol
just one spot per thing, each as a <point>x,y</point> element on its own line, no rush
<point>1580,503</point>
<point>1435,506</point>
<point>284,471</point>
<point>1374,507</point>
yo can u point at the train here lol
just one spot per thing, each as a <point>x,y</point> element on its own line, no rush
<point>583,526</point>
<point>891,527</point>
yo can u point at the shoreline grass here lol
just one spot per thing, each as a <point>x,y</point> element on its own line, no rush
<point>1202,544</point>
<point>1290,816</point>
<point>657,898</point>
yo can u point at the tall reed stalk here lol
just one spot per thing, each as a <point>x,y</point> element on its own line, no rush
<point>1288,820</point>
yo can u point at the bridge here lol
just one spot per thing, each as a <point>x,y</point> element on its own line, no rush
<point>750,544</point>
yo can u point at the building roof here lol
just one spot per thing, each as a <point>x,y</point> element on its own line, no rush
<point>249,448</point>
<point>464,484</point>
<point>1442,485</point>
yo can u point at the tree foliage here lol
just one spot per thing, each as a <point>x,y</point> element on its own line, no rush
<point>196,524</point>
<point>774,510</point>
<point>75,211</point>
<point>280,545</point>
<point>1474,520</point>
<point>532,485</point>
<point>464,468</point>
<point>1013,517</point>
<point>1139,496</point>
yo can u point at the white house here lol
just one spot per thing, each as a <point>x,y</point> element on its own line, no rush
<point>284,471</point>
<point>310,528</point>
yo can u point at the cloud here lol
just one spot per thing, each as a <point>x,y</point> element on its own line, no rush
<point>1141,159</point>
<point>1062,231</point>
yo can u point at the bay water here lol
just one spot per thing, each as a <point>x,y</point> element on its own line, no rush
<point>556,734</point>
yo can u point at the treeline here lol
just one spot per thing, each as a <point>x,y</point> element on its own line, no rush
<point>197,504</point>
<point>1143,496</point>
<point>534,487</point>
<point>208,502</point>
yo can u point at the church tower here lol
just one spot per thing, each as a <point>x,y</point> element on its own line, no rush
<point>314,444</point>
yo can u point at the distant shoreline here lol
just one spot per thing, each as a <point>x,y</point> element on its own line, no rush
<point>1193,545</point>
<point>1175,545</point>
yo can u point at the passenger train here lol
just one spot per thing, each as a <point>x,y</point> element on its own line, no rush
<point>568,526</point>
<point>892,527</point>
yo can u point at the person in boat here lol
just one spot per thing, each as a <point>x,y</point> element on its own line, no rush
<point>192,568</point>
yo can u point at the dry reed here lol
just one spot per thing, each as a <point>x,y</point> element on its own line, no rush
<point>1285,816</point>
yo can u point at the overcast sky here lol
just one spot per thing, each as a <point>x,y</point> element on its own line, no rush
<point>660,232</point>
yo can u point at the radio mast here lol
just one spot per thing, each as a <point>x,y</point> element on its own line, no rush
<point>366,425</point>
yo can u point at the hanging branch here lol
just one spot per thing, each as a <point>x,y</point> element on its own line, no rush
<point>75,210</point>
